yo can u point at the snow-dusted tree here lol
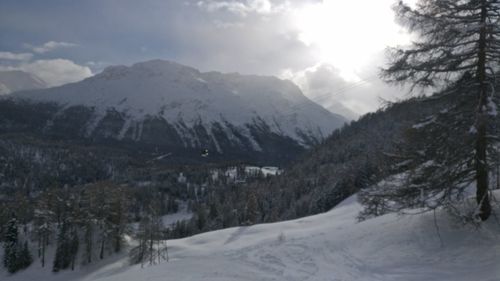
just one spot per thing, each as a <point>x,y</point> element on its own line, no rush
<point>43,221</point>
<point>17,255</point>
<point>457,51</point>
<point>10,256</point>
<point>152,246</point>
<point>251,210</point>
<point>103,218</point>
<point>62,259</point>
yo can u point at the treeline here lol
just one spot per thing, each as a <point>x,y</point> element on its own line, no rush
<point>220,207</point>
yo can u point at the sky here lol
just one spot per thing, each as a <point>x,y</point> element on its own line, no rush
<point>332,49</point>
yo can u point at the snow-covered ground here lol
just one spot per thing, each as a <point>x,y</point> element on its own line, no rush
<point>183,214</point>
<point>329,246</point>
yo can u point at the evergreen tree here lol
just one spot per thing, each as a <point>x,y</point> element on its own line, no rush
<point>25,258</point>
<point>43,220</point>
<point>457,50</point>
<point>74,244</point>
<point>17,255</point>
<point>201,217</point>
<point>252,211</point>
<point>62,259</point>
<point>10,258</point>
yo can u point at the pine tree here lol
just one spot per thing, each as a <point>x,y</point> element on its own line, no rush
<point>201,217</point>
<point>10,259</point>
<point>74,244</point>
<point>17,255</point>
<point>24,258</point>
<point>43,220</point>
<point>252,211</point>
<point>457,50</point>
<point>62,259</point>
<point>88,224</point>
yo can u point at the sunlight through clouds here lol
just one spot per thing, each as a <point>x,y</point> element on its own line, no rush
<point>348,33</point>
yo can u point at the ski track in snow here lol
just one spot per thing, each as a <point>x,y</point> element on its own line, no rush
<point>330,246</point>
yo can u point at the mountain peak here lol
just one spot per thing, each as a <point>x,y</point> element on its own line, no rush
<point>159,64</point>
<point>148,69</point>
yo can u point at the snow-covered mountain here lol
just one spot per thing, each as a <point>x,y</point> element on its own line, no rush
<point>12,81</point>
<point>223,112</point>
<point>338,108</point>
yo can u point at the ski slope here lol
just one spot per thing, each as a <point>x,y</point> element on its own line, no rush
<point>329,246</point>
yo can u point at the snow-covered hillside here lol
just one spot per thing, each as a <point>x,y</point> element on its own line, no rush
<point>12,81</point>
<point>187,98</point>
<point>330,246</point>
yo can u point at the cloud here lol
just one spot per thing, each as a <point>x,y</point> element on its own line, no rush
<point>97,66</point>
<point>15,56</point>
<point>56,72</point>
<point>234,7</point>
<point>227,25</point>
<point>324,84</point>
<point>243,8</point>
<point>50,46</point>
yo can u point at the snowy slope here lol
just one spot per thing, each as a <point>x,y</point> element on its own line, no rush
<point>185,97</point>
<point>330,246</point>
<point>12,81</point>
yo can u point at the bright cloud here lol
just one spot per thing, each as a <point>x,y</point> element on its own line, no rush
<point>348,34</point>
<point>15,56</point>
<point>324,84</point>
<point>50,46</point>
<point>243,7</point>
<point>56,72</point>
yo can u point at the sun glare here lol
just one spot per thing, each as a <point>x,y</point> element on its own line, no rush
<point>347,34</point>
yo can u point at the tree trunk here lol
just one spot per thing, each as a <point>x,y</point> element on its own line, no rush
<point>101,252</point>
<point>482,197</point>
<point>45,240</point>
<point>90,239</point>
<point>151,241</point>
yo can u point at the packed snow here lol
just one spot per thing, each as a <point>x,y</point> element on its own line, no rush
<point>329,246</point>
<point>183,214</point>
